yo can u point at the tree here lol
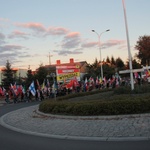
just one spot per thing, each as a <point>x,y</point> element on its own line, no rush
<point>120,64</point>
<point>30,78</point>
<point>108,70</point>
<point>41,74</point>
<point>143,47</point>
<point>94,69</point>
<point>135,64</point>
<point>113,61</point>
<point>108,60</point>
<point>8,76</point>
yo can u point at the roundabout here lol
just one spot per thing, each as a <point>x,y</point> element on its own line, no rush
<point>98,128</point>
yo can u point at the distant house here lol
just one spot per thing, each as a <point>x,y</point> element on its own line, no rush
<point>22,73</point>
<point>68,68</point>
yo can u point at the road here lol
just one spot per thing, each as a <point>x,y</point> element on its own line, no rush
<point>11,140</point>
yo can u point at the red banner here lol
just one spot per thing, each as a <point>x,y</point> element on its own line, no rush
<point>66,71</point>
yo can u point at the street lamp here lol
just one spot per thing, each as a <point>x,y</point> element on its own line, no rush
<point>99,36</point>
<point>129,52</point>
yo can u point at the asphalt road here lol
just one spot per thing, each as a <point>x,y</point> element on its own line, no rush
<point>11,140</point>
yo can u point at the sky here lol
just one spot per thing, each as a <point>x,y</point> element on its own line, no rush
<point>35,32</point>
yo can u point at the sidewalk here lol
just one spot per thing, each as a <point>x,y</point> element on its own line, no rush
<point>101,128</point>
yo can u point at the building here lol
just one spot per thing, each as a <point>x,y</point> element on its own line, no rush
<point>18,73</point>
<point>73,69</point>
<point>68,71</point>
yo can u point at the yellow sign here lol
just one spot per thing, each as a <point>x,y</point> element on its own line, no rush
<point>67,76</point>
<point>77,66</point>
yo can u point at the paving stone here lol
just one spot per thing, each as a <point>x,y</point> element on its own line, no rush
<point>112,126</point>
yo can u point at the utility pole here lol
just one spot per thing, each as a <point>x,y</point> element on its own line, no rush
<point>50,58</point>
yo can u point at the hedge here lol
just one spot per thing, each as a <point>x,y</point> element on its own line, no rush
<point>109,107</point>
<point>122,101</point>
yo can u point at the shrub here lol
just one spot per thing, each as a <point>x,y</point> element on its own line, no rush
<point>114,107</point>
<point>137,90</point>
<point>123,101</point>
<point>122,90</point>
<point>82,94</point>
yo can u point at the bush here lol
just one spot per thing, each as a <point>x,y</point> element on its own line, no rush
<point>132,105</point>
<point>122,90</point>
<point>137,89</point>
<point>82,94</point>
<point>123,101</point>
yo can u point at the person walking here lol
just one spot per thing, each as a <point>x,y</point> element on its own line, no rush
<point>7,97</point>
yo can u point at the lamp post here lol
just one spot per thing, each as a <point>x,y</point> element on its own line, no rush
<point>129,52</point>
<point>99,44</point>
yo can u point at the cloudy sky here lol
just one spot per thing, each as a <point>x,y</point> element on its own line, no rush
<point>33,30</point>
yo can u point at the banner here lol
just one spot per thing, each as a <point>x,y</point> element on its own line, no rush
<point>67,73</point>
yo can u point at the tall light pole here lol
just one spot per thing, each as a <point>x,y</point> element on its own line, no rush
<point>128,42</point>
<point>99,44</point>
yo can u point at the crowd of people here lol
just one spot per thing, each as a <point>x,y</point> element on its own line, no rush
<point>18,94</point>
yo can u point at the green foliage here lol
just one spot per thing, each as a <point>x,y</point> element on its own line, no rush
<point>131,105</point>
<point>143,47</point>
<point>29,78</point>
<point>137,90</point>
<point>110,66</point>
<point>82,94</point>
<point>113,62</point>
<point>41,74</point>
<point>135,64</point>
<point>93,69</point>
<point>142,89</point>
<point>8,76</point>
<point>120,64</point>
<point>122,90</point>
<point>108,71</point>
<point>126,103</point>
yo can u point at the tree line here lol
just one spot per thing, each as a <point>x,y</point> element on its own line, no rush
<point>112,65</point>
<point>9,76</point>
